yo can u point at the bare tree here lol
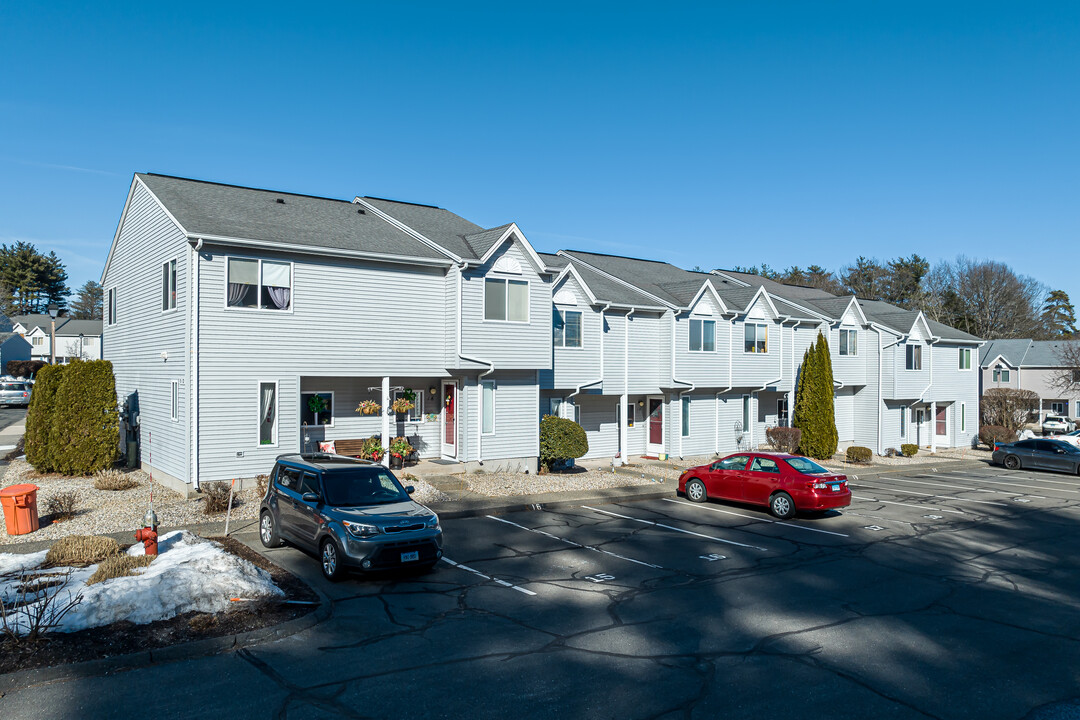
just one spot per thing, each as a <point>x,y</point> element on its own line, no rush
<point>1008,408</point>
<point>1066,376</point>
<point>984,298</point>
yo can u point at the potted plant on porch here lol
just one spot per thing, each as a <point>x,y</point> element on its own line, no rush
<point>372,449</point>
<point>399,449</point>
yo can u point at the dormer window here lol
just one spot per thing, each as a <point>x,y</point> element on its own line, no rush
<point>702,335</point>
<point>1001,375</point>
<point>914,357</point>
<point>849,342</point>
<point>755,338</point>
<point>566,328</point>
<point>506,300</point>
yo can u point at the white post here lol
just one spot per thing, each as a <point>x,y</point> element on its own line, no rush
<point>933,427</point>
<point>386,421</point>
<point>623,432</point>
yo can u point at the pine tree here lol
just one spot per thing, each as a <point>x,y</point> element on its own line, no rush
<point>87,305</point>
<point>1058,318</point>
<point>814,410</point>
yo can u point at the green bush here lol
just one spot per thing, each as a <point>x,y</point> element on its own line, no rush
<point>561,439</point>
<point>814,411</point>
<point>909,449</point>
<point>40,452</point>
<point>859,454</point>
<point>85,432</point>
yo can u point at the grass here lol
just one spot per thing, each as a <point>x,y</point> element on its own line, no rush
<point>119,566</point>
<point>81,550</point>
<point>113,479</point>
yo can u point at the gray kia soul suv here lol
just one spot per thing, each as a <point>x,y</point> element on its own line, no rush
<point>353,513</point>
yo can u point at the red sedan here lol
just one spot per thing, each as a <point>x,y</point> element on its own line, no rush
<point>785,483</point>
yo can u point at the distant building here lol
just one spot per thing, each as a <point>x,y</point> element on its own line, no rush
<point>1028,365</point>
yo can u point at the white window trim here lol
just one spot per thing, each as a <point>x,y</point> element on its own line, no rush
<point>703,321</point>
<point>631,414</point>
<point>110,305</point>
<point>840,344</point>
<point>258,271</point>
<point>964,351</point>
<point>418,401</point>
<point>564,346</point>
<point>528,300</point>
<point>963,417</point>
<point>1064,404</point>
<point>767,347</point>
<point>176,284</point>
<point>491,432</point>
<point>903,421</point>
<point>684,416</point>
<point>258,412</point>
<point>746,414</point>
<point>912,345</point>
<point>174,400</point>
<point>318,392</point>
<point>997,375</point>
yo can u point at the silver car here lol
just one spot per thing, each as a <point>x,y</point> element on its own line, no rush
<point>353,513</point>
<point>14,393</point>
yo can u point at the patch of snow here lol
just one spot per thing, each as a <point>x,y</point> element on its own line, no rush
<point>15,562</point>
<point>190,573</point>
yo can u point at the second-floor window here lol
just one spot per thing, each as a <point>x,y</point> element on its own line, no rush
<point>39,340</point>
<point>702,335</point>
<point>849,342</point>
<point>259,284</point>
<point>168,286</point>
<point>755,338</point>
<point>965,358</point>
<point>914,357</point>
<point>1001,375</point>
<point>506,300</point>
<point>566,328</point>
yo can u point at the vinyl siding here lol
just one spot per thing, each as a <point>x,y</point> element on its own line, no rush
<point>517,419</point>
<point>756,369</point>
<point>702,368</point>
<point>510,345</point>
<point>844,412</point>
<point>574,366</point>
<point>648,352</point>
<point>614,352</point>
<point>599,419</point>
<point>956,386</point>
<point>143,332</point>
<point>851,369</point>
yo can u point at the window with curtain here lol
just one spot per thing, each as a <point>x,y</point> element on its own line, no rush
<point>506,300</point>
<point>267,413</point>
<point>702,335</point>
<point>168,286</point>
<point>849,342</point>
<point>755,338</point>
<point>566,328</point>
<point>488,402</point>
<point>261,284</point>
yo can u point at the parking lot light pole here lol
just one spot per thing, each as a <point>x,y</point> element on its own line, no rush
<point>53,310</point>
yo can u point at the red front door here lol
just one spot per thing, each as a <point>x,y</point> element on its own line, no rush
<point>656,425</point>
<point>942,427</point>
<point>449,418</point>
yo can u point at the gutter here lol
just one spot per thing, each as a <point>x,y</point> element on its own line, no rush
<point>331,252</point>
<point>780,362</point>
<point>479,388</point>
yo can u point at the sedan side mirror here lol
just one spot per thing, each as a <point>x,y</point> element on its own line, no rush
<point>310,497</point>
<point>410,489</point>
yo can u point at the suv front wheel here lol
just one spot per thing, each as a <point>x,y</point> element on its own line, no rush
<point>330,559</point>
<point>268,533</point>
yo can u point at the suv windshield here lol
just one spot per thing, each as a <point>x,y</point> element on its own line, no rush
<point>807,467</point>
<point>362,486</point>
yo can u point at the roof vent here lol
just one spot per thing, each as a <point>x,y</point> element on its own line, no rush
<point>280,201</point>
<point>360,211</point>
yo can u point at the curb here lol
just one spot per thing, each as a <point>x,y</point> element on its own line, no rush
<point>22,679</point>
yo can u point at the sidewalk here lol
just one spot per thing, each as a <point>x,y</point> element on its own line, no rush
<point>9,436</point>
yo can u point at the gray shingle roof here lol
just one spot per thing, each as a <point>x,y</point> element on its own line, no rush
<point>647,275</point>
<point>482,241</point>
<point>1023,352</point>
<point>553,261</point>
<point>206,208</point>
<point>794,292</point>
<point>75,327</point>
<point>609,291</point>
<point>43,321</point>
<point>440,226</point>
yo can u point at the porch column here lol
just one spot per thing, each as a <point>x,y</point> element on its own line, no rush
<point>933,426</point>
<point>624,452</point>
<point>386,421</point>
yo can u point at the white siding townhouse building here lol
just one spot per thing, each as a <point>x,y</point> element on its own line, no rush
<point>227,309</point>
<point>1034,365</point>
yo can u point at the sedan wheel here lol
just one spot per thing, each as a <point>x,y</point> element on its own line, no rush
<point>268,532</point>
<point>331,568</point>
<point>1012,462</point>
<point>782,506</point>
<point>695,491</point>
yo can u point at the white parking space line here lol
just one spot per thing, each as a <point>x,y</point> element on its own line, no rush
<point>752,517</point>
<point>1022,476</point>
<point>935,508</point>
<point>679,530</point>
<point>575,544</point>
<point>487,577</point>
<point>953,486</point>
<point>1018,485</point>
<point>905,491</point>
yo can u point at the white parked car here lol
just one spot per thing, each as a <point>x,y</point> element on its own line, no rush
<point>1057,425</point>
<point>1073,438</point>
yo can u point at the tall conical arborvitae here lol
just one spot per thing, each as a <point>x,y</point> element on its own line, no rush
<point>814,410</point>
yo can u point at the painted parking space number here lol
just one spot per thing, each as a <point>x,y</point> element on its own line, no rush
<point>712,557</point>
<point>599,577</point>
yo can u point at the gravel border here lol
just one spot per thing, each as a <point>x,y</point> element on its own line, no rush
<point>511,484</point>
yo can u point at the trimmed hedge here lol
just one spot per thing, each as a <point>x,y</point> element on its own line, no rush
<point>909,449</point>
<point>85,434</point>
<point>561,439</point>
<point>990,434</point>
<point>39,418</point>
<point>859,454</point>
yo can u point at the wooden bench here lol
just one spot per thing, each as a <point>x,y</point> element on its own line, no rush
<point>352,448</point>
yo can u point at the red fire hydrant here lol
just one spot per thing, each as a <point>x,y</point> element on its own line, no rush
<point>148,534</point>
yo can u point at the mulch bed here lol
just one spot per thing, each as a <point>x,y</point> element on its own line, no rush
<point>125,637</point>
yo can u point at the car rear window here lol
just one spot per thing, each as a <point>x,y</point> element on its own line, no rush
<point>20,387</point>
<point>806,467</point>
<point>362,486</point>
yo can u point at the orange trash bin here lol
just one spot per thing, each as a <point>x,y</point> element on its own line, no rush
<point>20,508</point>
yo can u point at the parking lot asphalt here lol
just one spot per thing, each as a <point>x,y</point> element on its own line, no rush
<point>11,415</point>
<point>946,594</point>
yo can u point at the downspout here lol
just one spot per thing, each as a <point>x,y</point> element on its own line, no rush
<point>601,378</point>
<point>193,391</point>
<point>716,417</point>
<point>624,430</point>
<point>681,382</point>
<point>780,364</point>
<point>880,377</point>
<point>479,386</point>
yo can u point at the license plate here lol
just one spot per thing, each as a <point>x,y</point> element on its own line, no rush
<point>410,556</point>
<point>835,487</point>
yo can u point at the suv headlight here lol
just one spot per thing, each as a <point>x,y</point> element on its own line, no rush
<point>361,529</point>
<point>432,522</point>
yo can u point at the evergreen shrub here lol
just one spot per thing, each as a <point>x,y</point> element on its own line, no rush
<point>561,439</point>
<point>815,414</point>
<point>85,433</point>
<point>859,454</point>
<point>909,449</point>
<point>39,419</point>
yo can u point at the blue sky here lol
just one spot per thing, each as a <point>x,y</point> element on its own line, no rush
<point>717,134</point>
